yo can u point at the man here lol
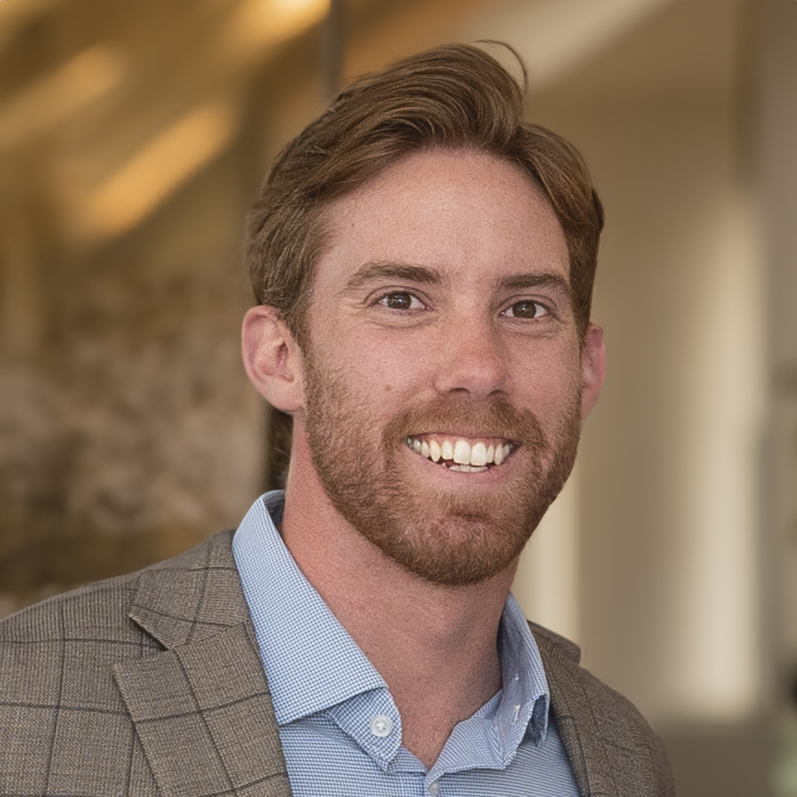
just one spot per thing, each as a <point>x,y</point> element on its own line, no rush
<point>423,265</point>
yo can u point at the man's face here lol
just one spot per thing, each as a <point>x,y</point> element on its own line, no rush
<point>442,376</point>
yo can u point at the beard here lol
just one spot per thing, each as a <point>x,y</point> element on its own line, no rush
<point>450,538</point>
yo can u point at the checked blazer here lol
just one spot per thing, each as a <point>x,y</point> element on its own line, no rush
<point>151,684</point>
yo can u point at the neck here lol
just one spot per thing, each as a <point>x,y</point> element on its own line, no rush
<point>434,645</point>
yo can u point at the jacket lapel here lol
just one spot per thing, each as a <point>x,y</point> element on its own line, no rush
<point>201,707</point>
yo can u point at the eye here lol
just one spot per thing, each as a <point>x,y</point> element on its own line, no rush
<point>526,309</point>
<point>401,300</point>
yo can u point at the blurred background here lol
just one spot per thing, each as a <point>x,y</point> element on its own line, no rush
<point>134,136</point>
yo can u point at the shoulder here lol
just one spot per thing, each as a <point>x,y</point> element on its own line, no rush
<point>58,695</point>
<point>56,685</point>
<point>552,641</point>
<point>87,629</point>
<point>69,643</point>
<point>93,608</point>
<point>603,731</point>
<point>576,689</point>
<point>98,612</point>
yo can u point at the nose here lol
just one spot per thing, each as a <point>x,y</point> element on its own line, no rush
<point>471,359</point>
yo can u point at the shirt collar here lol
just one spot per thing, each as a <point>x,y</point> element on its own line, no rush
<point>311,661</point>
<point>525,698</point>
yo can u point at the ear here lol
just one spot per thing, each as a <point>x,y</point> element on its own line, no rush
<point>272,358</point>
<point>593,368</point>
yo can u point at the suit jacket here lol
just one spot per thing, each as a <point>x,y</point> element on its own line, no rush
<point>152,684</point>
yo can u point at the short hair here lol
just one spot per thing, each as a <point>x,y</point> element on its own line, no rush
<point>454,96</point>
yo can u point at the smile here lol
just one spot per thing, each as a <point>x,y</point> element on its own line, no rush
<point>462,455</point>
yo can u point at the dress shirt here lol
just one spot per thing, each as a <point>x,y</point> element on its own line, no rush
<point>339,726</point>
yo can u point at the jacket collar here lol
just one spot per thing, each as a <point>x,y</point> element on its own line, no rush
<point>201,707</point>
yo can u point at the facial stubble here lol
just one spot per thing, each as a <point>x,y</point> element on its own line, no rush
<point>447,538</point>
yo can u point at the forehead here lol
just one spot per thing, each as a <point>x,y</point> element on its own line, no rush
<point>467,214</point>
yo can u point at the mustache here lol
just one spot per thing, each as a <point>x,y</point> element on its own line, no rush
<point>495,417</point>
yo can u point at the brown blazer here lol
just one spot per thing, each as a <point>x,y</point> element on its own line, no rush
<point>151,684</point>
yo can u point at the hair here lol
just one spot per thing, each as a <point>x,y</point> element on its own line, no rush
<point>455,96</point>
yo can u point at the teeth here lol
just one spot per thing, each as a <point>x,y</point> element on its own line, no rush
<point>462,452</point>
<point>466,457</point>
<point>478,454</point>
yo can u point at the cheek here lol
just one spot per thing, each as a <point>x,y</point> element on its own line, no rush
<point>383,363</point>
<point>548,380</point>
<point>371,378</point>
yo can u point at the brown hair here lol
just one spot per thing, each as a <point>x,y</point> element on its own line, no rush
<point>455,96</point>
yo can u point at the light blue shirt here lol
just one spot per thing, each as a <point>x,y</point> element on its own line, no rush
<point>339,727</point>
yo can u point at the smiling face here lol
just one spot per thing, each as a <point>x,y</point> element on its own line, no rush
<point>442,371</point>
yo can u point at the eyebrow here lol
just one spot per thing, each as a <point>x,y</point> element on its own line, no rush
<point>400,271</point>
<point>546,279</point>
<point>431,276</point>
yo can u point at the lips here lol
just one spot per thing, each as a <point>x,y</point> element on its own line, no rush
<point>459,454</point>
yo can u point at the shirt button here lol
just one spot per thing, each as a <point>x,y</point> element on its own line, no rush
<point>381,725</point>
<point>434,789</point>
